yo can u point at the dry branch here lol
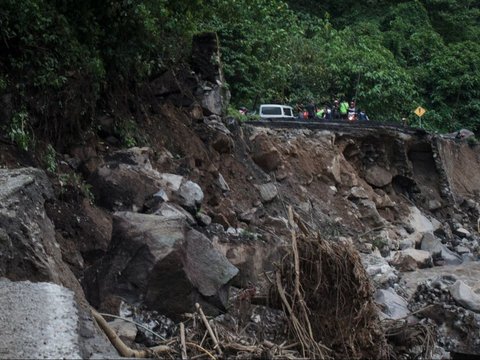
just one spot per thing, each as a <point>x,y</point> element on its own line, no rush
<point>209,328</point>
<point>123,349</point>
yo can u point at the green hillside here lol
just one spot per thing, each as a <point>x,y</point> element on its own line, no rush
<point>63,62</point>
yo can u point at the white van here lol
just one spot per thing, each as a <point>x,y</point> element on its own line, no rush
<point>276,112</point>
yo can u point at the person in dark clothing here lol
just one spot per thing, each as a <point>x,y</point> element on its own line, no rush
<point>362,116</point>
<point>311,110</point>
<point>336,110</point>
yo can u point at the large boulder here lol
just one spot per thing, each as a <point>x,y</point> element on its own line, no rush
<point>159,261</point>
<point>465,296</point>
<point>125,181</point>
<point>378,176</point>
<point>43,321</point>
<point>264,153</point>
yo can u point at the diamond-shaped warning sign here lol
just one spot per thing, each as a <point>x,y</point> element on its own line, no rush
<point>419,111</point>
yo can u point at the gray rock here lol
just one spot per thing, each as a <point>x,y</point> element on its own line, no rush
<point>378,176</point>
<point>28,247</point>
<point>171,182</point>
<point>185,192</point>
<point>393,306</point>
<point>462,249</point>
<point>358,193</point>
<point>464,295</point>
<point>434,246</point>
<point>222,183</point>
<point>159,261</point>
<point>215,99</point>
<point>42,320</point>
<point>172,211</point>
<point>369,212</point>
<point>125,330</point>
<point>434,204</point>
<point>204,219</point>
<point>464,233</point>
<point>379,270</point>
<point>190,195</point>
<point>418,221</point>
<point>126,180</point>
<point>268,191</point>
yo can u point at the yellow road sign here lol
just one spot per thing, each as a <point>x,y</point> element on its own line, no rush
<point>420,111</point>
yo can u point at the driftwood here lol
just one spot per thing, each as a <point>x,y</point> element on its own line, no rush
<point>182,341</point>
<point>123,349</point>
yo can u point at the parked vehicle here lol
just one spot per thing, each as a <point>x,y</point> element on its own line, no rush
<point>276,112</point>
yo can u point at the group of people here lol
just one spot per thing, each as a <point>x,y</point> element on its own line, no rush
<point>338,110</point>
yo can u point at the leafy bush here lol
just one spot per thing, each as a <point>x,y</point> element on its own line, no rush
<point>18,130</point>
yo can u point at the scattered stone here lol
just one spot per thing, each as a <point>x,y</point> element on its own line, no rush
<point>369,212</point>
<point>172,211</point>
<point>462,232</point>
<point>268,192</point>
<point>358,193</point>
<point>378,176</point>
<point>379,270</point>
<point>204,219</point>
<point>125,330</point>
<point>464,295</point>
<point>462,249</point>
<point>190,195</point>
<point>383,201</point>
<point>171,182</point>
<point>411,259</point>
<point>247,216</point>
<point>434,204</point>
<point>435,247</point>
<point>222,183</point>
<point>223,142</point>
<point>418,221</point>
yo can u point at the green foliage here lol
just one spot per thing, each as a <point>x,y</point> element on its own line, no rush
<point>62,59</point>
<point>74,181</point>
<point>127,130</point>
<point>18,132</point>
<point>234,113</point>
<point>472,141</point>
<point>51,159</point>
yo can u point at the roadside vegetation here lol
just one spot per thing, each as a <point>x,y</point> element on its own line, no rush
<point>63,62</point>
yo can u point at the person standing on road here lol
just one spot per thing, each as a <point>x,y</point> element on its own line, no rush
<point>336,110</point>
<point>311,110</point>
<point>352,111</point>
<point>343,109</point>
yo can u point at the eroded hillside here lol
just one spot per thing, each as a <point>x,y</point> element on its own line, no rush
<point>295,242</point>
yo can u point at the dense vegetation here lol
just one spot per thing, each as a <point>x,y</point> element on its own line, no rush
<point>64,61</point>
